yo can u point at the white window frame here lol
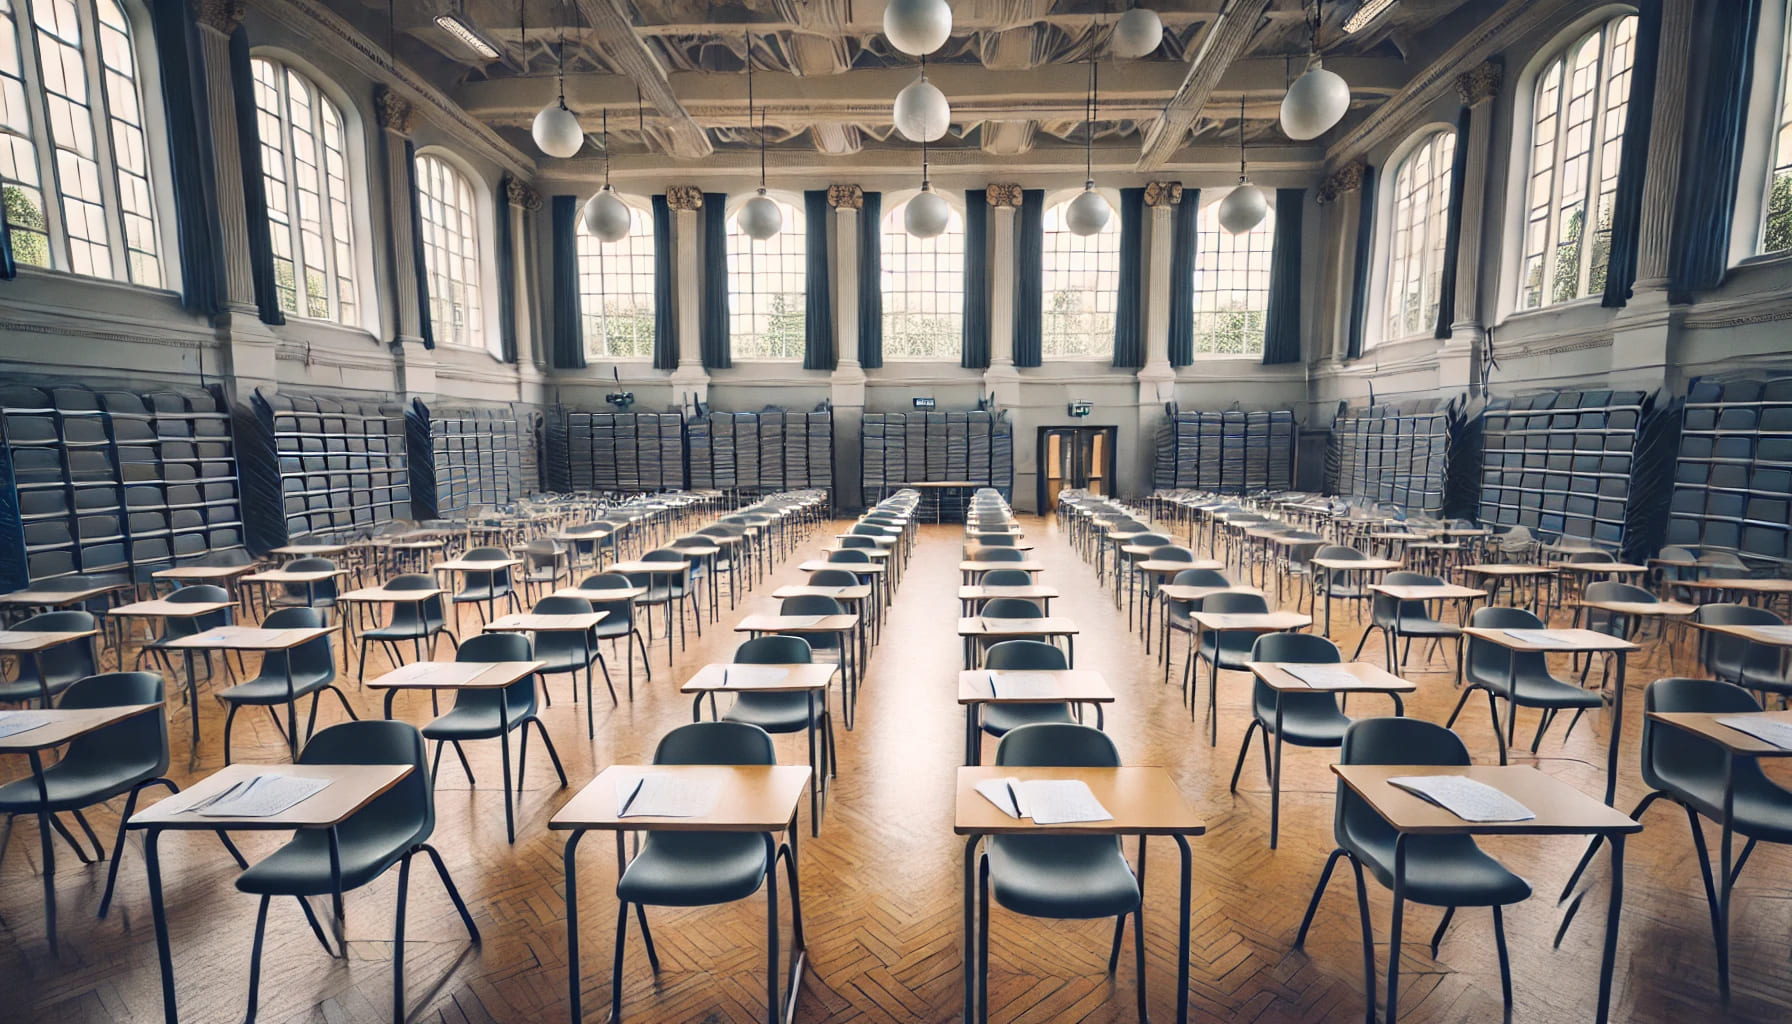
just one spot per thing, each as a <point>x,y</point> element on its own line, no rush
<point>480,330</point>
<point>1107,267</point>
<point>1382,280</point>
<point>942,295</point>
<point>739,249</point>
<point>598,265</point>
<point>1205,228</point>
<point>1768,111</point>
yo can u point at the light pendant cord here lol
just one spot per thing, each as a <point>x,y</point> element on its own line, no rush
<point>1241,174</point>
<point>1089,126</point>
<point>749,60</point>
<point>606,148</point>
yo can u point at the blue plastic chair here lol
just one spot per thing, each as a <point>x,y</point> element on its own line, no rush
<point>313,672</point>
<point>43,675</point>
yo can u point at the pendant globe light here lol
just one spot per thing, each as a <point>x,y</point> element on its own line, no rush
<point>556,129</point>
<point>922,113</point>
<point>1318,99</point>
<point>926,215</point>
<point>760,217</point>
<point>1245,206</point>
<point>1088,213</point>
<point>1137,33</point>
<point>917,27</point>
<point>607,216</point>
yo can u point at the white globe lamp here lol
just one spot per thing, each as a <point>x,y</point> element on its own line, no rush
<point>557,132</point>
<point>1243,208</point>
<point>760,217</point>
<point>922,113</point>
<point>1315,102</point>
<point>1088,212</point>
<point>1137,33</point>
<point>607,216</point>
<point>917,27</point>
<point>926,215</point>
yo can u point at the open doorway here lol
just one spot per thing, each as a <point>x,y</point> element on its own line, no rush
<point>1074,457</point>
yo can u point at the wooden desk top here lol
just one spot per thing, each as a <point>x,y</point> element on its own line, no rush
<point>1707,726</point>
<point>1679,563</point>
<point>1162,566</point>
<point>1070,685</point>
<point>557,622</point>
<point>1251,622</point>
<point>14,641</point>
<point>703,550</point>
<point>476,565</point>
<point>1499,569</point>
<point>1572,640</point>
<point>1144,800</point>
<point>972,550</point>
<point>1560,809</point>
<point>1771,585</point>
<point>1607,568</point>
<point>1184,592</point>
<point>877,554</point>
<point>889,535</point>
<point>1370,678</point>
<point>1427,591</point>
<point>1360,564</point>
<point>860,592</point>
<point>1767,636</point>
<point>65,724</point>
<point>602,596</point>
<point>61,598</point>
<point>352,787</point>
<point>748,798</point>
<point>1035,592</point>
<point>303,550</point>
<point>1024,566</point>
<point>1140,550</point>
<point>870,568</point>
<point>666,568</point>
<point>455,675</point>
<point>796,678</point>
<point>204,572</point>
<point>1413,534</point>
<point>797,623</point>
<point>403,543</point>
<point>1645,608</point>
<point>161,607</point>
<point>919,484</point>
<point>248,638</point>
<point>294,576</point>
<point>374,595</point>
<point>1051,625</point>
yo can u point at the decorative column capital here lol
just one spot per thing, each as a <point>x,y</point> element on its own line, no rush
<point>846,197</point>
<point>1003,196</point>
<point>521,195</point>
<point>1341,182</point>
<point>1163,193</point>
<point>222,16</point>
<point>684,198</point>
<point>1480,84</point>
<point>396,113</point>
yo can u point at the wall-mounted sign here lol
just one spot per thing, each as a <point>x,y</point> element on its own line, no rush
<point>923,403</point>
<point>1081,408</point>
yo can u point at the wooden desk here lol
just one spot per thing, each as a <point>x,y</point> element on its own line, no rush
<point>27,644</point>
<point>1144,801</point>
<point>748,798</point>
<point>1560,809</point>
<point>1220,623</point>
<point>309,550</point>
<point>32,597</point>
<point>809,678</point>
<point>352,787</point>
<point>975,630</point>
<point>1275,675</point>
<point>581,623</point>
<point>246,638</point>
<point>227,574</point>
<point>452,675</point>
<point>1761,591</point>
<point>676,573</point>
<point>1497,575</point>
<point>972,598</point>
<point>1571,641</point>
<point>978,687</point>
<point>1346,565</point>
<point>308,578</point>
<point>972,570</point>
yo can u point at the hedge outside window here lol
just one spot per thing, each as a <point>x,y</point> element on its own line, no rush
<point>616,291</point>
<point>305,167</point>
<point>1082,287</point>
<point>450,252</point>
<point>767,289</point>
<point>1421,214</point>
<point>1232,284</point>
<point>922,281</point>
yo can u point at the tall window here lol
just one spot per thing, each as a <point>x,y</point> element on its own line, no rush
<point>1421,216</point>
<point>1082,288</point>
<point>305,168</point>
<point>1776,232</point>
<point>75,77</point>
<point>450,252</point>
<point>923,289</point>
<point>616,291</point>
<point>1232,285</point>
<point>1577,129</point>
<point>767,290</point>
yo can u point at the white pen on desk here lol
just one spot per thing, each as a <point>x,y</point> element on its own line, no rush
<point>724,675</point>
<point>992,684</point>
<point>642,781</point>
<point>1013,797</point>
<point>214,799</point>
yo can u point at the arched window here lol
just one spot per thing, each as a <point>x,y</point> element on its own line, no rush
<point>767,290</point>
<point>304,165</point>
<point>1082,287</point>
<point>1577,129</point>
<point>77,188</point>
<point>450,252</point>
<point>1776,228</point>
<point>1232,284</point>
<point>616,291</point>
<point>923,289</point>
<point>1420,216</point>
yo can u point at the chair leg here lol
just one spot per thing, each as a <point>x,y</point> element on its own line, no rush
<point>343,697</point>
<point>1362,911</point>
<point>653,956</point>
<point>1493,712</point>
<point>983,939</point>
<point>1114,950</point>
<point>1325,875</point>
<point>616,964</point>
<point>509,811</point>
<point>261,927</point>
<point>1361,642</point>
<point>1437,937</point>
<point>404,886</point>
<point>311,718</point>
<point>453,893</point>
<point>1243,749</point>
<point>229,717</point>
<point>1499,943</point>
<point>130,806</point>
<point>604,666</point>
<point>553,755</point>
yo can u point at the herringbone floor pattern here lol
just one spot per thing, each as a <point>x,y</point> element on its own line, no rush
<point>881,884</point>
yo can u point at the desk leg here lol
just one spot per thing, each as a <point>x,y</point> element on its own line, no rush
<point>1328,603</point>
<point>972,742</point>
<point>1182,941</point>
<point>970,929</point>
<point>1275,779</point>
<point>49,848</point>
<point>193,696</point>
<point>292,711</point>
<point>159,913</point>
<point>1617,730</point>
<point>1722,921</point>
<point>572,926</point>
<point>1393,1011</point>
<point>814,774</point>
<point>1611,930</point>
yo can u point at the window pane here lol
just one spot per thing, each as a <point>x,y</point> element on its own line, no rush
<point>1232,285</point>
<point>767,291</point>
<point>20,184</point>
<point>923,289</point>
<point>616,291</point>
<point>1421,206</point>
<point>64,77</point>
<point>1082,288</point>
<point>305,174</point>
<point>450,253</point>
<point>129,152</point>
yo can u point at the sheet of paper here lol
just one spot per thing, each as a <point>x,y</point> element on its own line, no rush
<point>262,796</point>
<point>444,673</point>
<point>1002,625</point>
<point>1060,801</point>
<point>1326,677</point>
<point>800,621</point>
<point>1464,797</point>
<point>1547,636</point>
<point>754,675</point>
<point>14,722</point>
<point>1021,685</point>
<point>1766,730</point>
<point>662,795</point>
<point>1001,793</point>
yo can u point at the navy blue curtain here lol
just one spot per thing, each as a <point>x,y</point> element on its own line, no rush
<point>1446,289</point>
<point>818,307</point>
<point>665,303</point>
<point>8,270</point>
<point>198,236</point>
<point>1029,279</point>
<point>1633,157</point>
<point>1699,255</point>
<point>1129,342</point>
<point>1185,243</point>
<point>569,341</point>
<point>421,264</point>
<point>1359,274</point>
<point>871,282</point>
<point>255,196</point>
<point>973,352</point>
<point>1281,327</point>
<point>507,296</point>
<point>714,335</point>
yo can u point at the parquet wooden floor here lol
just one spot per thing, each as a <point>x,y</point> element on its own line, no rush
<point>881,884</point>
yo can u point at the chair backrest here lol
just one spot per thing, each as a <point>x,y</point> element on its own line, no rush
<point>833,578</point>
<point>1012,608</point>
<point>1172,553</point>
<point>868,528</point>
<point>853,556</point>
<point>1386,741</point>
<point>999,555</point>
<point>860,542</point>
<point>562,606</point>
<point>1339,551</point>
<point>1384,609</point>
<point>1057,745</point>
<point>486,554</point>
<point>1201,578</point>
<point>1306,648</point>
<point>1727,656</point>
<point>774,650</point>
<point>810,604</point>
<point>1674,759</point>
<point>665,555</point>
<point>1149,540</point>
<point>1236,603</point>
<point>995,540</point>
<point>716,743</point>
<point>322,590</point>
<point>1607,590</point>
<point>1008,578</point>
<point>200,593</point>
<point>1729,558</point>
<point>496,647</point>
<point>310,563</point>
<point>312,657</point>
<point>406,813</point>
<point>1487,662</point>
<point>1024,654</point>
<point>136,746</point>
<point>1589,557</point>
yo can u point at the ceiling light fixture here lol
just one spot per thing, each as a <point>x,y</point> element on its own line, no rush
<point>1318,99</point>
<point>926,215</point>
<point>556,129</point>
<point>1137,33</point>
<point>1245,206</point>
<point>457,24</point>
<point>1366,15</point>
<point>606,215</point>
<point>1088,213</point>
<point>917,27</point>
<point>922,113</point>
<point>759,217</point>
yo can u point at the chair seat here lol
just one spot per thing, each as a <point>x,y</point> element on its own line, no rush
<point>1535,691</point>
<point>302,866</point>
<point>72,785</point>
<point>1061,876</point>
<point>483,592</point>
<point>418,631</point>
<point>272,689</point>
<point>1308,719</point>
<point>28,688</point>
<point>570,658</point>
<point>773,712</point>
<point>1762,810</point>
<point>1001,719</point>
<point>472,722</point>
<point>1235,649</point>
<point>1443,871</point>
<point>694,869</point>
<point>613,626</point>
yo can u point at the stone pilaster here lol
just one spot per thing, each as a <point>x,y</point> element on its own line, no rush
<point>1337,193</point>
<point>1459,364</point>
<point>847,385</point>
<point>396,117</point>
<point>690,380</point>
<point>521,202</point>
<point>1001,377</point>
<point>217,19</point>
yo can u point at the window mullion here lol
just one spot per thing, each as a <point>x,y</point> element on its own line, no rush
<point>100,118</point>
<point>1595,163</point>
<point>1552,235</point>
<point>326,227</point>
<point>37,101</point>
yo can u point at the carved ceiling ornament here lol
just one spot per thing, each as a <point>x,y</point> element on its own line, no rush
<point>846,197</point>
<point>221,16</point>
<point>1341,182</point>
<point>687,198</point>
<point>396,113</point>
<point>1003,195</point>
<point>1163,193</point>
<point>1480,84</point>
